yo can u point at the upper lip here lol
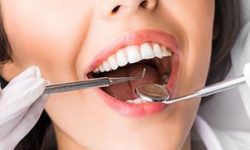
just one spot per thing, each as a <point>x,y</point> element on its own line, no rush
<point>135,38</point>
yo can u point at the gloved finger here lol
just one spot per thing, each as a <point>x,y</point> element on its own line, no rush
<point>26,124</point>
<point>12,104</point>
<point>32,71</point>
<point>247,73</point>
<point>30,89</point>
<point>23,89</point>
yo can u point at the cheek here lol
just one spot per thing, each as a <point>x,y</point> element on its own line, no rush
<point>46,34</point>
<point>196,18</point>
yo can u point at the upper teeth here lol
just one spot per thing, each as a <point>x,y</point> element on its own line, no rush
<point>133,54</point>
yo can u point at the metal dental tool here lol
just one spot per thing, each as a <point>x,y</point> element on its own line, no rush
<point>158,93</point>
<point>90,83</point>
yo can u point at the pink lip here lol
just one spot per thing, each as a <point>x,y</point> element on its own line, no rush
<point>137,38</point>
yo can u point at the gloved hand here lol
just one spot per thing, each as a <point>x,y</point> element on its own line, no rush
<point>21,105</point>
<point>246,72</point>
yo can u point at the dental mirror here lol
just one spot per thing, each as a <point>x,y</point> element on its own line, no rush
<point>152,92</point>
<point>158,93</point>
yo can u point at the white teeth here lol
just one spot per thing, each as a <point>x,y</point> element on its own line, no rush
<point>136,101</point>
<point>147,51</point>
<point>165,51</point>
<point>96,70</point>
<point>157,50</point>
<point>113,63</point>
<point>133,54</point>
<point>121,58</point>
<point>101,68</point>
<point>129,101</point>
<point>106,66</point>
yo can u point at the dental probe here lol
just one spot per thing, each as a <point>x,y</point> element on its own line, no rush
<point>158,93</point>
<point>90,83</point>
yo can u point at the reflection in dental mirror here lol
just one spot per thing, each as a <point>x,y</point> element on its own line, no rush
<point>152,92</point>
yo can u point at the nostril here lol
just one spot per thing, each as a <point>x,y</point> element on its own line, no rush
<point>132,6</point>
<point>148,4</point>
<point>115,9</point>
<point>144,4</point>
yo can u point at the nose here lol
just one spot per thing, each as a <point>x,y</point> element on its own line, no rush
<point>116,7</point>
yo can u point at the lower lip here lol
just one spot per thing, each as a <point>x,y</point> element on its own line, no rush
<point>129,109</point>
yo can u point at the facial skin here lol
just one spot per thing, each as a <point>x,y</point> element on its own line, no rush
<point>62,37</point>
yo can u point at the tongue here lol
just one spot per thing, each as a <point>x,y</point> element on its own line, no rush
<point>125,90</point>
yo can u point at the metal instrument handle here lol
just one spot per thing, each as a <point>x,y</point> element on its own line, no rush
<point>58,88</point>
<point>221,86</point>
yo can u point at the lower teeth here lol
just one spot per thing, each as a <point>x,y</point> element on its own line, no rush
<point>136,101</point>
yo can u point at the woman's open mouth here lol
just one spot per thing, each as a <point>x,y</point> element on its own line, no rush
<point>152,50</point>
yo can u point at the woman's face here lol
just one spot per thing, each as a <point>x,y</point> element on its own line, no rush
<point>68,39</point>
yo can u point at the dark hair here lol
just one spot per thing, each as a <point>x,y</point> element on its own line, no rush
<point>227,24</point>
